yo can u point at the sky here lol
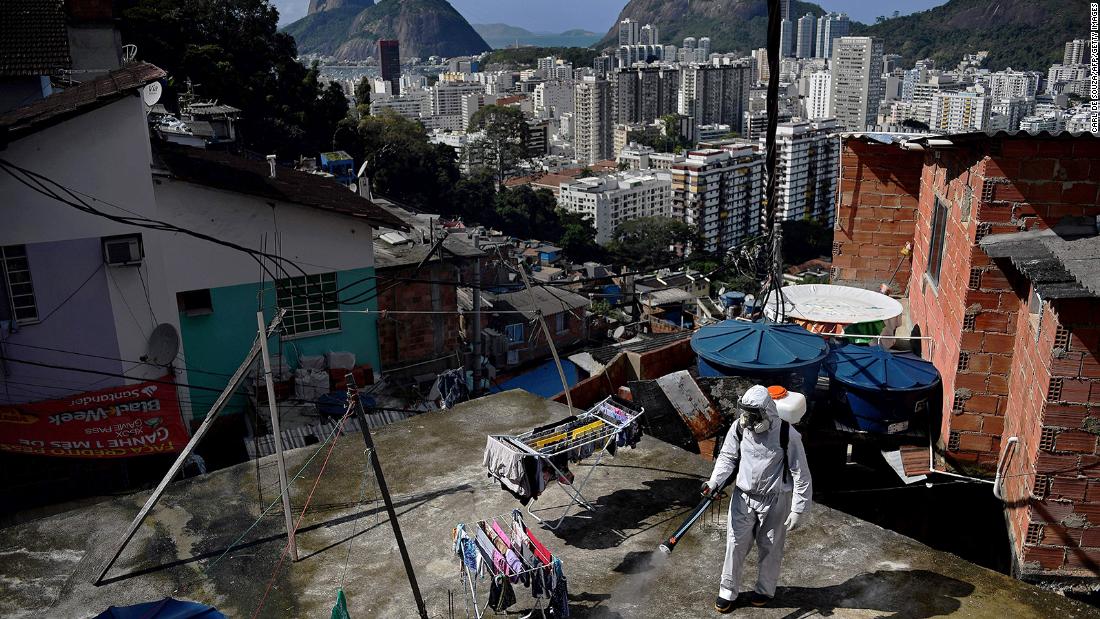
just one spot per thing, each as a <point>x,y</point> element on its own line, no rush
<point>598,15</point>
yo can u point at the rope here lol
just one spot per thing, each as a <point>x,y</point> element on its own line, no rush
<point>277,499</point>
<point>305,508</point>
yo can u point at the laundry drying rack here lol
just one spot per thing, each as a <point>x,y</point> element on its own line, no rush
<point>595,430</point>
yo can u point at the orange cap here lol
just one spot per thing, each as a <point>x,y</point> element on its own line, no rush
<point>777,392</point>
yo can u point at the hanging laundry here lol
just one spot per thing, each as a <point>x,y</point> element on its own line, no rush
<point>340,610</point>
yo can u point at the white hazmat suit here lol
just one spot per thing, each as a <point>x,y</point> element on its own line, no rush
<point>763,507</point>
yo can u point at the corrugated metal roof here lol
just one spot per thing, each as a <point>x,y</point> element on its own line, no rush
<point>1063,263</point>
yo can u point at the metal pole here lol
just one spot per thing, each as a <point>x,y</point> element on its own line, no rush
<point>274,410</point>
<point>207,423</point>
<point>372,455</point>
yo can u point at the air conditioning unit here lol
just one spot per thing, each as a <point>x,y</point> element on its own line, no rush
<point>123,250</point>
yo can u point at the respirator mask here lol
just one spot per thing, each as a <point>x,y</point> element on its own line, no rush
<point>754,418</point>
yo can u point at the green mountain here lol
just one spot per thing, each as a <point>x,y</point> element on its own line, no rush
<point>350,29</point>
<point>732,25</point>
<point>1022,34</point>
<point>503,35</point>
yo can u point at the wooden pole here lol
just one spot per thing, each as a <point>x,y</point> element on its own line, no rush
<point>549,338</point>
<point>207,423</point>
<point>372,455</point>
<point>274,410</point>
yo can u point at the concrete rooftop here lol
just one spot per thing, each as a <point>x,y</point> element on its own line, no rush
<point>835,566</point>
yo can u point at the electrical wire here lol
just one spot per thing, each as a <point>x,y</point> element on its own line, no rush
<point>71,295</point>
<point>189,368</point>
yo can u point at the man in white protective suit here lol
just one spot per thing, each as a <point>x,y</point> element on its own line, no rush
<point>772,494</point>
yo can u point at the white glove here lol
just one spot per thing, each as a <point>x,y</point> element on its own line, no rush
<point>794,520</point>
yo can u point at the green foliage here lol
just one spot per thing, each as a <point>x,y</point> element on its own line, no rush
<point>362,93</point>
<point>231,51</point>
<point>649,242</point>
<point>731,26</point>
<point>527,57</point>
<point>1012,34</point>
<point>504,146</point>
<point>805,240</point>
<point>402,164</point>
<point>600,307</point>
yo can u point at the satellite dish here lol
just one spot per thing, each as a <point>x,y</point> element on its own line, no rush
<point>619,332</point>
<point>164,345</point>
<point>151,93</point>
<point>362,169</point>
<point>354,187</point>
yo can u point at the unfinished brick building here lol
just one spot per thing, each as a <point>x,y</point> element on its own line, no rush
<point>1006,280</point>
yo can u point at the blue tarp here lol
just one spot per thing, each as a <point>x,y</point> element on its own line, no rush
<point>168,608</point>
<point>758,345</point>
<point>543,380</point>
<point>873,367</point>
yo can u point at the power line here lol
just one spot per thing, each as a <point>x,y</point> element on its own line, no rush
<point>72,294</point>
<point>189,368</point>
<point>114,374</point>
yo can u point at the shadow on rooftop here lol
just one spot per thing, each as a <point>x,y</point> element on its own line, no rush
<point>410,503</point>
<point>628,510</point>
<point>902,594</point>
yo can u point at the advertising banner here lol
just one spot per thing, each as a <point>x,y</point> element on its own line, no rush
<point>120,422</point>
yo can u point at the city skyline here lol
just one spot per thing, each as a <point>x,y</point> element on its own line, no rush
<point>546,16</point>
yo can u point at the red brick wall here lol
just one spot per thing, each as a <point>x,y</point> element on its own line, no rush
<point>1062,465</point>
<point>876,215</point>
<point>414,338</point>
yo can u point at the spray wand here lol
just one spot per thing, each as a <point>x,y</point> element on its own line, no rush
<point>693,517</point>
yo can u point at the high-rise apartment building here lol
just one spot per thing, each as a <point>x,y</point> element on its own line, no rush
<point>786,39</point>
<point>389,60</point>
<point>649,35</point>
<point>819,99</point>
<point>447,96</point>
<point>629,32</point>
<point>959,112</point>
<point>702,53</point>
<point>592,120</point>
<point>719,192</point>
<point>608,201</point>
<point>856,81</point>
<point>1009,112</point>
<point>715,94</point>
<point>830,27</point>
<point>807,168</point>
<point>784,9</point>
<point>553,98</point>
<point>1077,52</point>
<point>1009,84</point>
<point>760,65</point>
<point>755,123</point>
<point>644,94</point>
<point>804,43</point>
<point>602,65</point>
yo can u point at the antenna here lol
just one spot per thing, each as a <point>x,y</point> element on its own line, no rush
<point>129,52</point>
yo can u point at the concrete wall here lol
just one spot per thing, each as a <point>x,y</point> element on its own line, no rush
<point>105,154</point>
<point>876,213</point>
<point>83,323</point>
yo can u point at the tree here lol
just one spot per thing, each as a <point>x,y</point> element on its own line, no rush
<point>502,145</point>
<point>233,52</point>
<point>578,238</point>
<point>651,242</point>
<point>805,240</point>
<point>362,93</point>
<point>528,213</point>
<point>403,165</point>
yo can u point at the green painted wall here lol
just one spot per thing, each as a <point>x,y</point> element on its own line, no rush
<point>216,343</point>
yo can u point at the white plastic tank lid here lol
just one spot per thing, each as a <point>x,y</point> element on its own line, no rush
<point>833,304</point>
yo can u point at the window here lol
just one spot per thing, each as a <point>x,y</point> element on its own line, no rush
<point>17,291</point>
<point>195,302</point>
<point>1035,312</point>
<point>306,300</point>
<point>561,322</point>
<point>514,333</point>
<point>936,243</point>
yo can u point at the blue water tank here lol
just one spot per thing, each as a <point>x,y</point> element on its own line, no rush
<point>769,352</point>
<point>883,391</point>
